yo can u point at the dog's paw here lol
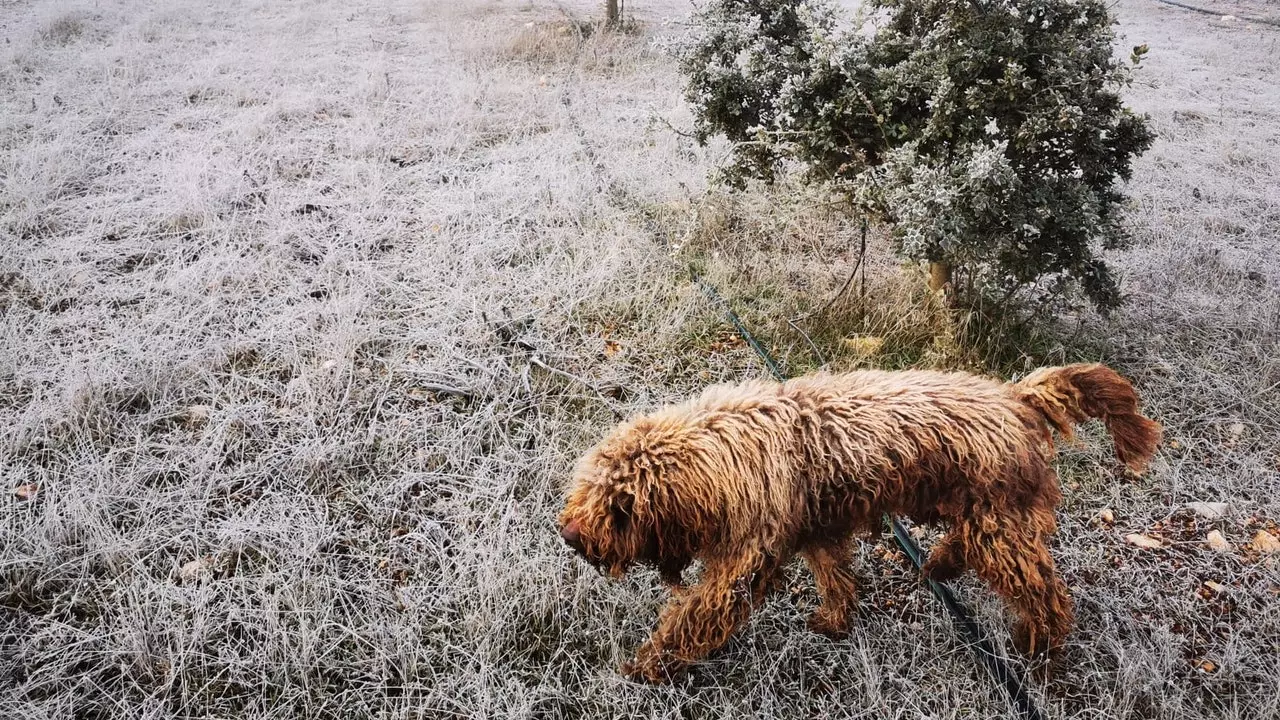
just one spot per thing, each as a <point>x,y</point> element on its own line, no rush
<point>1032,645</point>
<point>644,672</point>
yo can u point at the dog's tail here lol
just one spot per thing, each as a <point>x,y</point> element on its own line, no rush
<point>1069,395</point>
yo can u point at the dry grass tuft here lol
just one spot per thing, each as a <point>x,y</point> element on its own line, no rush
<point>568,44</point>
<point>63,30</point>
<point>548,43</point>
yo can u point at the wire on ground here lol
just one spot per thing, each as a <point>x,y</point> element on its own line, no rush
<point>977,641</point>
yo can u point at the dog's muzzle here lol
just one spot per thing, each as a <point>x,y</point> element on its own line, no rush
<point>572,535</point>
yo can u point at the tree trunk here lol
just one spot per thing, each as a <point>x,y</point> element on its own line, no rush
<point>939,275</point>
<point>611,16</point>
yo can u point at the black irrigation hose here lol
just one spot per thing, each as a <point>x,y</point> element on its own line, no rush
<point>976,640</point>
<point>1215,13</point>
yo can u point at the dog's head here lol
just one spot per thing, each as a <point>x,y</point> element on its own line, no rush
<point>622,505</point>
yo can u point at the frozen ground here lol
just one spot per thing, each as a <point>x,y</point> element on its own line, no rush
<point>306,308</point>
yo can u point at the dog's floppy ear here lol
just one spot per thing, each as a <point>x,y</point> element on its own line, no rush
<point>620,506</point>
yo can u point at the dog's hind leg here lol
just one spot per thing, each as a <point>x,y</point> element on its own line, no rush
<point>829,563</point>
<point>1010,552</point>
<point>698,620</point>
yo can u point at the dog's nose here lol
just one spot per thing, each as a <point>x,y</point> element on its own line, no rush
<point>572,534</point>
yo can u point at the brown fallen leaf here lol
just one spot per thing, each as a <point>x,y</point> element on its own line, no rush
<point>1208,666</point>
<point>27,492</point>
<point>1145,542</point>
<point>611,348</point>
<point>1218,588</point>
<point>1217,542</point>
<point>1266,543</point>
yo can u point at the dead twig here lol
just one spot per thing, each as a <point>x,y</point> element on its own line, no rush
<point>821,358</point>
<point>535,360</point>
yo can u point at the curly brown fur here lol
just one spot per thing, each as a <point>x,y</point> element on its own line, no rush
<point>744,477</point>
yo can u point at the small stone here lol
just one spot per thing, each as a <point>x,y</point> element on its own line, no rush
<point>197,415</point>
<point>1107,516</point>
<point>1217,542</point>
<point>1145,542</point>
<point>1234,431</point>
<point>1209,510</point>
<point>196,569</point>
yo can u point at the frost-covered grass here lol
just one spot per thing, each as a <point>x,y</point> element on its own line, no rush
<point>307,308</point>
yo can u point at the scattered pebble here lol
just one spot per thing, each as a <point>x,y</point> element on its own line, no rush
<point>197,415</point>
<point>1107,516</point>
<point>1235,431</point>
<point>1209,510</point>
<point>196,569</point>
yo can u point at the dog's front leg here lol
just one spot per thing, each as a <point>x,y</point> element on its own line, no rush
<point>696,622</point>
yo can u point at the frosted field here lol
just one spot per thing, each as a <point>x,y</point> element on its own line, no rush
<point>306,309</point>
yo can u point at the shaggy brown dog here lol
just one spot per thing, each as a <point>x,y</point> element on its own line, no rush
<point>746,476</point>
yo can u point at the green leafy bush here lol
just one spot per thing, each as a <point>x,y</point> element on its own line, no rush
<point>989,134</point>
